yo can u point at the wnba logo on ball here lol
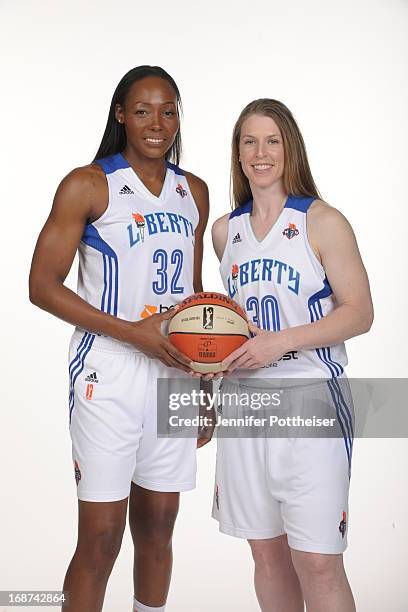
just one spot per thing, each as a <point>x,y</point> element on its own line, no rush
<point>208,317</point>
<point>207,327</point>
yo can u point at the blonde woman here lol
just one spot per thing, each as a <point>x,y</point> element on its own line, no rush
<point>292,262</point>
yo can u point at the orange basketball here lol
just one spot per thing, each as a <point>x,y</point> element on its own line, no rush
<point>208,327</point>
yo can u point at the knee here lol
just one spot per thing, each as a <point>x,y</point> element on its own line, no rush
<point>270,556</point>
<point>100,546</point>
<point>318,568</point>
<point>155,528</point>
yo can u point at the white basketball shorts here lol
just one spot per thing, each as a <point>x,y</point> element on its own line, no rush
<point>113,422</point>
<point>266,486</point>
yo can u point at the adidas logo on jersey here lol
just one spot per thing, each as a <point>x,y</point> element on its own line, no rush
<point>92,378</point>
<point>126,190</point>
<point>236,238</point>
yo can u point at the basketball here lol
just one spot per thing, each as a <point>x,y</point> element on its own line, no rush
<point>208,327</point>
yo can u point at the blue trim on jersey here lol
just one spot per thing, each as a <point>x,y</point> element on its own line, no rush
<point>300,203</point>
<point>240,210</point>
<point>118,162</point>
<point>325,292</point>
<point>116,293</point>
<point>175,169</point>
<point>82,351</point>
<point>105,282</point>
<point>329,357</point>
<point>92,238</point>
<point>110,284</point>
<point>112,163</point>
<point>316,313</point>
<point>323,353</point>
<point>344,418</point>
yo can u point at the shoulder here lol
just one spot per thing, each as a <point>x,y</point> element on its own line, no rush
<point>328,229</point>
<point>199,191</point>
<point>83,181</point>
<point>220,226</point>
<point>83,192</point>
<point>198,187</point>
<point>323,216</point>
<point>219,234</point>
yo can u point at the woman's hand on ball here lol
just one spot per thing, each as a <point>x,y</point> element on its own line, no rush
<point>264,348</point>
<point>147,336</point>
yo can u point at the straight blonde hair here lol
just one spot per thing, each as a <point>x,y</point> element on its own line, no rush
<point>297,176</point>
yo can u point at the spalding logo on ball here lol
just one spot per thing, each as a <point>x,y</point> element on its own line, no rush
<point>208,327</point>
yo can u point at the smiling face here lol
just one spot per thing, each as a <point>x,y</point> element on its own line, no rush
<point>150,117</point>
<point>261,151</point>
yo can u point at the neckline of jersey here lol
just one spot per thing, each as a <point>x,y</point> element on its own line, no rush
<point>272,230</point>
<point>157,199</point>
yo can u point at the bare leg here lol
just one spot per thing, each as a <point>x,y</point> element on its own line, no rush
<point>152,515</point>
<point>276,583</point>
<point>100,531</point>
<point>324,582</point>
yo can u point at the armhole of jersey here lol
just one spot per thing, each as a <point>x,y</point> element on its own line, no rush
<point>309,249</point>
<point>223,258</point>
<point>107,209</point>
<point>194,202</point>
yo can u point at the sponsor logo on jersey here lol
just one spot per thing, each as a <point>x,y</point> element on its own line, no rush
<point>343,525</point>
<point>236,238</point>
<point>291,231</point>
<point>140,224</point>
<point>286,357</point>
<point>158,223</point>
<point>89,391</point>
<point>261,270</point>
<point>92,378</point>
<point>208,317</point>
<point>77,473</point>
<point>181,191</point>
<point>126,190</point>
<point>147,311</point>
<point>150,310</point>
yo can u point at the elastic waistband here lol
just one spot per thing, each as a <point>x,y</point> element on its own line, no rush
<point>105,343</point>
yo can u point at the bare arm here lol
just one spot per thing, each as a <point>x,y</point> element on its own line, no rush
<point>334,243</point>
<point>220,234</point>
<point>83,195</point>
<point>199,191</point>
<point>76,200</point>
<point>334,240</point>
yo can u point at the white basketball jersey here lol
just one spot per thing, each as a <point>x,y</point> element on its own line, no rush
<point>280,283</point>
<point>137,258</point>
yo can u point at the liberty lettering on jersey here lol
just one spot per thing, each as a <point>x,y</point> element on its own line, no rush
<point>261,270</point>
<point>158,223</point>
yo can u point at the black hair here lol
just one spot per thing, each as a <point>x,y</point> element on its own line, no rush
<point>114,137</point>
